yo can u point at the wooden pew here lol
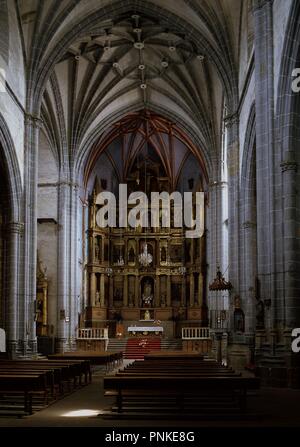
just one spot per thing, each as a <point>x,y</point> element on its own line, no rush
<point>109,359</point>
<point>185,381</point>
<point>24,383</point>
<point>48,376</point>
<point>173,355</point>
<point>69,370</point>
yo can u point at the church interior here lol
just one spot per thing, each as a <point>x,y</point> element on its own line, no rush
<point>198,98</point>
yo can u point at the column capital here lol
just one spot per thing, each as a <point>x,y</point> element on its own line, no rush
<point>217,184</point>
<point>15,227</point>
<point>289,166</point>
<point>32,120</point>
<point>232,119</point>
<point>68,183</point>
<point>259,4</point>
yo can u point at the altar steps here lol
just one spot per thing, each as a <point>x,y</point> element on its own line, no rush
<point>137,348</point>
<point>120,344</point>
<point>117,344</point>
<point>172,344</point>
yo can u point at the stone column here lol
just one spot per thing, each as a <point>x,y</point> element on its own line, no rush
<point>32,126</point>
<point>192,290</point>
<point>233,157</point>
<point>169,291</point>
<point>15,230</point>
<point>249,273</point>
<point>93,289</point>
<point>73,266</point>
<point>291,250</point>
<point>62,267</point>
<point>264,107</point>
<point>214,236</point>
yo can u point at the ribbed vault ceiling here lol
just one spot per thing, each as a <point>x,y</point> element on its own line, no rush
<point>96,61</point>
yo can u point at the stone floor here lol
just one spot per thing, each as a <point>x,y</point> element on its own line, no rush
<point>274,408</point>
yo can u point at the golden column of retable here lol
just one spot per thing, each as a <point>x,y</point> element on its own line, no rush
<point>93,286</point>
<point>125,295</point>
<point>192,289</point>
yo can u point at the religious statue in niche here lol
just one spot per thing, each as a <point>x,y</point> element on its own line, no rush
<point>176,253</point>
<point>41,305</point>
<point>147,315</point>
<point>238,316</point>
<point>260,314</point>
<point>260,307</point>
<point>118,296</point>
<point>97,249</point>
<point>163,255</point>
<point>131,255</point>
<point>115,254</point>
<point>147,296</point>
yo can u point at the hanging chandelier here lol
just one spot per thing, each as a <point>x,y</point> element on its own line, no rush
<point>219,282</point>
<point>145,258</point>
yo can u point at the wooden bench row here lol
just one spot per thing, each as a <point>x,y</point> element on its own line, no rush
<point>110,359</point>
<point>47,378</point>
<point>186,381</point>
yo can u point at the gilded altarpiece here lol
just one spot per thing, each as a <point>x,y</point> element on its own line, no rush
<point>120,289</point>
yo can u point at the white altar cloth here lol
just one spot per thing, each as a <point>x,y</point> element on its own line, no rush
<point>145,329</point>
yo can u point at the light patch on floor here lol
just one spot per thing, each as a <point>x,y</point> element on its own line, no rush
<point>81,413</point>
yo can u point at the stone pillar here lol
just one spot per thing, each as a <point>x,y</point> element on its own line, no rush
<point>168,291</point>
<point>264,107</point>
<point>63,261</point>
<point>214,237</point>
<point>125,295</point>
<point>192,290</point>
<point>93,289</point>
<point>249,253</point>
<point>291,250</point>
<point>73,302</point>
<point>27,304</point>
<point>233,157</point>
<point>15,230</point>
